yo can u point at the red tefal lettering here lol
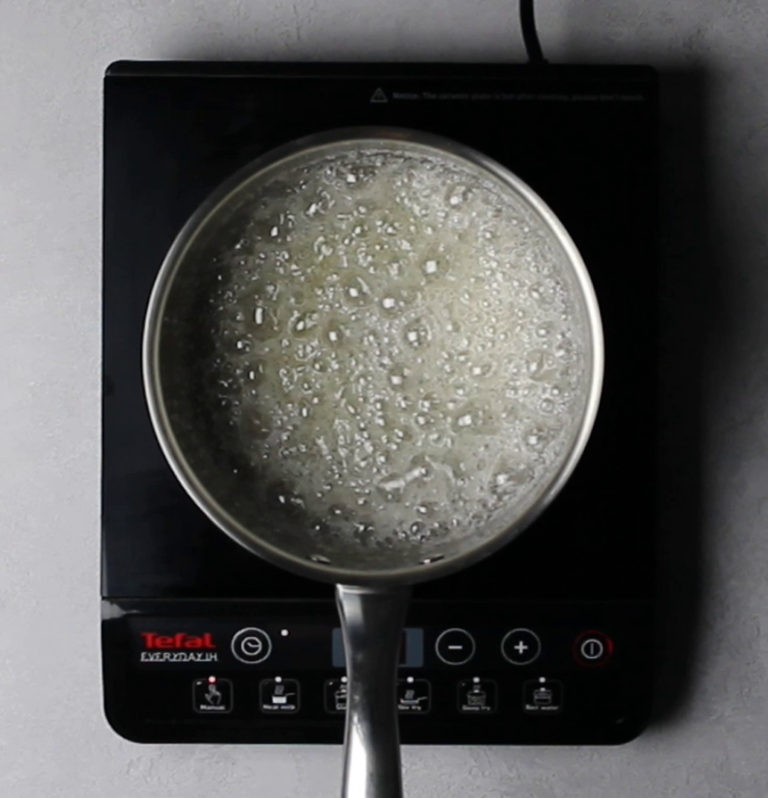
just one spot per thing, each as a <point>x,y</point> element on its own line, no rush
<point>177,641</point>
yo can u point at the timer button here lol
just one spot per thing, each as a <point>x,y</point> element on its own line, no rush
<point>455,646</point>
<point>592,648</point>
<point>251,645</point>
<point>521,646</point>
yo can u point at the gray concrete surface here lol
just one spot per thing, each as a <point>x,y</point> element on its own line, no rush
<point>712,732</point>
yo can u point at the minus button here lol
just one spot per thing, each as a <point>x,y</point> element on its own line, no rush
<point>455,646</point>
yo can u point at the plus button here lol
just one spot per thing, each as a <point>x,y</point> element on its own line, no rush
<point>520,646</point>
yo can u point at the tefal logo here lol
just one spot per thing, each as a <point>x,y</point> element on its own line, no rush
<point>176,642</point>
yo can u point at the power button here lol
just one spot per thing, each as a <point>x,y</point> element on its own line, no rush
<point>251,645</point>
<point>592,648</point>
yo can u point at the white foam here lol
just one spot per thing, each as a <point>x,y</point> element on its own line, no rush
<point>405,347</point>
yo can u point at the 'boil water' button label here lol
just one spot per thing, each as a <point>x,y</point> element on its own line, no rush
<point>542,696</point>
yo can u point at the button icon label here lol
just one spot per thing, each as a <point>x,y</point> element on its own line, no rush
<point>212,696</point>
<point>477,696</point>
<point>336,695</point>
<point>413,695</point>
<point>251,645</point>
<point>521,646</point>
<point>542,696</point>
<point>279,695</point>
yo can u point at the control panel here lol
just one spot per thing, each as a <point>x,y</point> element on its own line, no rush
<point>261,671</point>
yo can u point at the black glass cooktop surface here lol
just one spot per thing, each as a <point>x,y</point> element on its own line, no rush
<point>584,139</point>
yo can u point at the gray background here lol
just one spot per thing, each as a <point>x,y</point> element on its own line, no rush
<point>712,732</point>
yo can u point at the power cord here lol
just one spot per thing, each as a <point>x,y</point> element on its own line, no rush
<point>530,37</point>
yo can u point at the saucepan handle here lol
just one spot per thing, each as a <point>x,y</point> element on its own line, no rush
<point>372,620</point>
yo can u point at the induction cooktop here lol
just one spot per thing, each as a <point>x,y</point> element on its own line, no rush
<point>549,640</point>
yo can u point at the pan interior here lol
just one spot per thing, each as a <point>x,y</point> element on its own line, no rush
<point>373,354</point>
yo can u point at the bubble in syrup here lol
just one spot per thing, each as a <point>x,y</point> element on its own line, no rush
<point>396,376</point>
<point>391,487</point>
<point>412,367</point>
<point>322,248</point>
<point>303,323</point>
<point>416,333</point>
<point>535,439</point>
<point>458,195</point>
<point>547,406</point>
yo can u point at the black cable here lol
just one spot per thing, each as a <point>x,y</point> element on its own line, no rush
<point>530,37</point>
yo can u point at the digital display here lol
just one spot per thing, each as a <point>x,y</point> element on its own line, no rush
<point>411,648</point>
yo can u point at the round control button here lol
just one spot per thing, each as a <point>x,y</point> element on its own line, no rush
<point>592,648</point>
<point>521,646</point>
<point>251,645</point>
<point>455,646</point>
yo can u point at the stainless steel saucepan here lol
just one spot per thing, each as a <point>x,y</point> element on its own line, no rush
<point>372,584</point>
